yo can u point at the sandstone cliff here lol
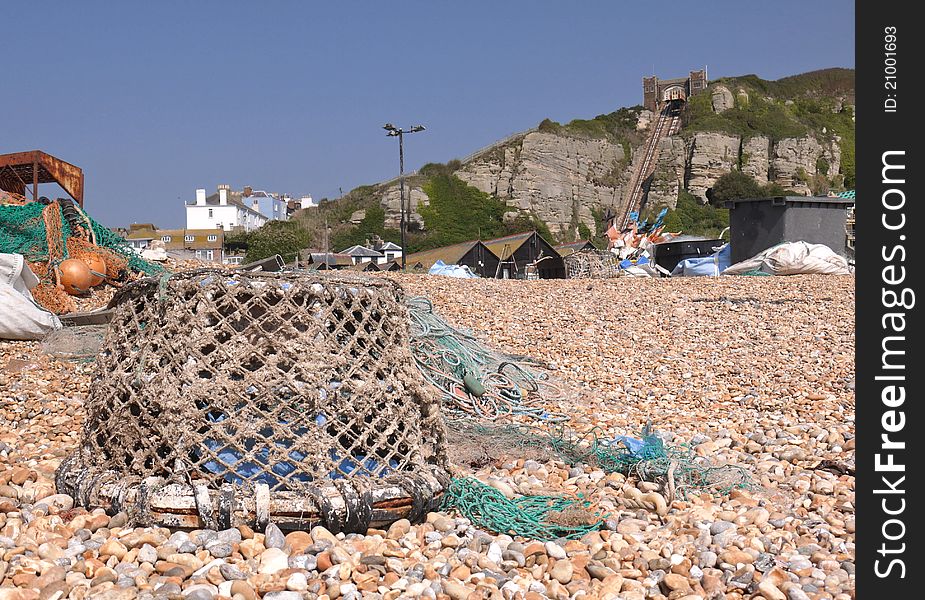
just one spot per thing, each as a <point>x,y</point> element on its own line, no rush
<point>567,179</point>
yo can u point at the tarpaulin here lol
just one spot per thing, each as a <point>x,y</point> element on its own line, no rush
<point>794,258</point>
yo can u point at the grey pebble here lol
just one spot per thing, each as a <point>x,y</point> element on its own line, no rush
<point>147,553</point>
<point>708,559</point>
<point>765,562</point>
<point>220,549</point>
<point>318,547</point>
<point>514,556</point>
<point>177,538</point>
<point>303,561</point>
<point>205,537</point>
<point>415,573</point>
<point>93,544</point>
<point>168,589</point>
<point>795,593</point>
<point>718,527</point>
<point>229,536</point>
<point>119,520</point>
<point>231,572</point>
<point>274,538</point>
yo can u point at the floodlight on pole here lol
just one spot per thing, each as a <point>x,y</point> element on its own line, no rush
<point>398,132</point>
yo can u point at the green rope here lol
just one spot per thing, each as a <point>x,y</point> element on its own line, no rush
<point>543,518</point>
<point>474,380</point>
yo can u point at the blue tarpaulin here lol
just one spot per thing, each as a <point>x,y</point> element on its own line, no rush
<point>703,266</point>
<point>461,271</point>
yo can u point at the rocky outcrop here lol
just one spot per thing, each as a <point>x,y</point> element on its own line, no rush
<point>391,202</point>
<point>742,97</point>
<point>794,162</point>
<point>566,181</point>
<point>562,180</point>
<point>722,99</point>
<point>754,158</point>
<point>644,120</point>
<point>668,178</point>
<point>711,155</point>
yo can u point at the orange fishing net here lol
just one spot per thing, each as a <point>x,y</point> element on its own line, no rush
<point>115,264</point>
<point>49,295</point>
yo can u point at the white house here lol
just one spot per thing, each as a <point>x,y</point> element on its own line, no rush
<point>361,254</point>
<point>269,205</point>
<point>222,210</point>
<point>389,252</point>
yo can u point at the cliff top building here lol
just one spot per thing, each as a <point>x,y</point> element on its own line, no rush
<point>655,91</point>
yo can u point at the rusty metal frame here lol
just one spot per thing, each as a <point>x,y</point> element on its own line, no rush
<point>18,169</point>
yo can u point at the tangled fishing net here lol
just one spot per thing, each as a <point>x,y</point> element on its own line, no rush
<point>473,380</point>
<point>542,518</point>
<point>647,458</point>
<point>481,388</point>
<point>81,343</point>
<point>48,234</point>
<point>677,469</point>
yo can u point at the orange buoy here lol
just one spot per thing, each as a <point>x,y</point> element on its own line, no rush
<point>97,268</point>
<point>75,276</point>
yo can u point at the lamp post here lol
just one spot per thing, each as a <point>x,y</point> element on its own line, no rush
<point>393,131</point>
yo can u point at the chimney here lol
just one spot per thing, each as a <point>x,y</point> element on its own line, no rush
<point>248,190</point>
<point>201,197</point>
<point>223,196</point>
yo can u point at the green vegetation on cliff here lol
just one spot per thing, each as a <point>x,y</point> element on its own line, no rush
<point>817,103</point>
<point>458,212</point>
<point>618,126</point>
<point>692,217</point>
<point>824,83</point>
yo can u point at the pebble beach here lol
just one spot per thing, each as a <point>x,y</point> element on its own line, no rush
<point>756,372</point>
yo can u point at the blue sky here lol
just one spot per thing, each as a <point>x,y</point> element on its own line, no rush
<point>156,99</point>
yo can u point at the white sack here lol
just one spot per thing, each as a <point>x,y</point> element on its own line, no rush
<point>20,317</point>
<point>794,258</point>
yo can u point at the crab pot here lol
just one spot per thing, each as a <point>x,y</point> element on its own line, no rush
<point>225,398</point>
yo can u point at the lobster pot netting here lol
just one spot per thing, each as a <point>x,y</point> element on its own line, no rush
<point>291,381</point>
<point>591,264</point>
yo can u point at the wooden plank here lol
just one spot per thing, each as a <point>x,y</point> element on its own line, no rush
<point>96,317</point>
